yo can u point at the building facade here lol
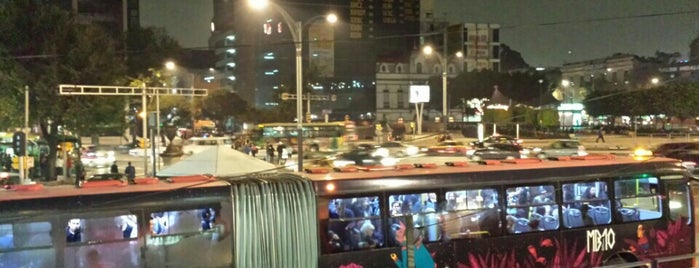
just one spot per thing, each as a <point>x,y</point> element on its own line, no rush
<point>255,51</point>
<point>393,81</point>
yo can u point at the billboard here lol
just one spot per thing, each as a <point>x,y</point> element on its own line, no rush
<point>419,93</point>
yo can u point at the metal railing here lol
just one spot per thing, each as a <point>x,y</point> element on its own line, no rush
<point>655,262</point>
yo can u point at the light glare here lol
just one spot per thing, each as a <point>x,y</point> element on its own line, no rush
<point>258,4</point>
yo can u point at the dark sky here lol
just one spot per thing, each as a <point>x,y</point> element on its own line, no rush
<point>551,32</point>
<point>546,32</point>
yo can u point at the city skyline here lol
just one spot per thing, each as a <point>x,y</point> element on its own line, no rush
<point>546,33</point>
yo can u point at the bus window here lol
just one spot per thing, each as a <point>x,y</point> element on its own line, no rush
<point>354,224</point>
<point>531,209</point>
<point>678,196</point>
<point>585,204</point>
<point>200,229</point>
<point>102,241</point>
<point>422,207</point>
<point>637,199</point>
<point>26,244</point>
<point>471,213</point>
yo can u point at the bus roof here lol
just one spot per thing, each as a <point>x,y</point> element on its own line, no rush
<point>433,175</point>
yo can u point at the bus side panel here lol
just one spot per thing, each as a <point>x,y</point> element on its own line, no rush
<point>540,249</point>
<point>578,247</point>
<point>378,258</point>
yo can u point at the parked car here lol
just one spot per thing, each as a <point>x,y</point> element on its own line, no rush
<point>396,149</point>
<point>565,147</point>
<point>497,151</point>
<point>448,147</point>
<point>497,139</point>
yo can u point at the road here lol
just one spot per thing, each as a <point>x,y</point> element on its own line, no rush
<point>616,144</point>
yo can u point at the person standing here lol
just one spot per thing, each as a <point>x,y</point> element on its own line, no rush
<point>114,169</point>
<point>130,172</point>
<point>270,152</point>
<point>79,175</point>
<point>253,150</point>
<point>280,152</point>
<point>600,134</point>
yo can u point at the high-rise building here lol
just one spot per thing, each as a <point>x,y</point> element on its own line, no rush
<point>256,50</point>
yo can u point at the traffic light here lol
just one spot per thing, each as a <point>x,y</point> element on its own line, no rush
<point>19,143</point>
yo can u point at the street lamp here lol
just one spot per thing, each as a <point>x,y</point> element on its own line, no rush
<point>428,50</point>
<point>296,29</point>
<point>565,83</point>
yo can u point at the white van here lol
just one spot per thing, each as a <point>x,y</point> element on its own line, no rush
<point>198,144</point>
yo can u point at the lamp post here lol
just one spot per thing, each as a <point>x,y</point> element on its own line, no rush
<point>296,29</point>
<point>443,62</point>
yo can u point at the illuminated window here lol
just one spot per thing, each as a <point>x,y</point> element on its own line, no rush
<point>585,204</point>
<point>423,208</point>
<point>637,199</point>
<point>678,198</point>
<point>353,224</point>
<point>471,213</point>
<point>531,209</point>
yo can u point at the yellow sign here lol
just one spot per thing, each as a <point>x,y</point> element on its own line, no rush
<point>28,162</point>
<point>67,146</point>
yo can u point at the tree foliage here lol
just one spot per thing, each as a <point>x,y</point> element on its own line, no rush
<point>673,100</point>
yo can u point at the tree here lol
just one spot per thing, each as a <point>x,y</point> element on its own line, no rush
<point>548,118</point>
<point>497,116</point>
<point>694,49</point>
<point>148,48</point>
<point>49,47</point>
<point>12,114</point>
<point>511,59</point>
<point>221,104</point>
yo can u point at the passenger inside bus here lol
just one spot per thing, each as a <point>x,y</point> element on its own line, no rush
<point>74,231</point>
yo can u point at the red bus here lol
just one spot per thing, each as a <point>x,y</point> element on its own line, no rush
<point>584,212</point>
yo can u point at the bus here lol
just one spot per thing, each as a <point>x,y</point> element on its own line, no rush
<point>331,136</point>
<point>576,212</point>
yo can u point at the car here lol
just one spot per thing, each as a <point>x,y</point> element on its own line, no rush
<point>497,151</point>
<point>497,139</point>
<point>448,147</point>
<point>361,156</point>
<point>139,152</point>
<point>198,144</point>
<point>106,176</point>
<point>564,147</point>
<point>685,151</point>
<point>396,149</point>
<point>93,156</point>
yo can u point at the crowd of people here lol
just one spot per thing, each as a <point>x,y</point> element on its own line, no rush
<point>276,153</point>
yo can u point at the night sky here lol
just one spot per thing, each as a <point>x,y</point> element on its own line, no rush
<point>546,32</point>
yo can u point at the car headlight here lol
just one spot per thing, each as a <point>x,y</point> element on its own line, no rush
<point>640,152</point>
